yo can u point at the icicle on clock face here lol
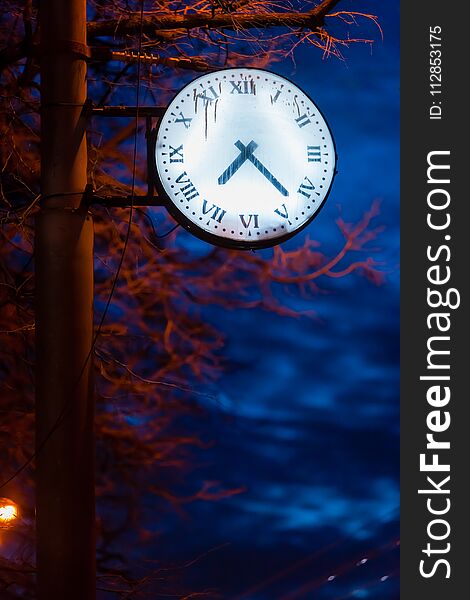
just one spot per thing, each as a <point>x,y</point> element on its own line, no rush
<point>244,158</point>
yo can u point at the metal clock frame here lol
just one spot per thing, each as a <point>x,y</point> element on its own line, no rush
<point>212,238</point>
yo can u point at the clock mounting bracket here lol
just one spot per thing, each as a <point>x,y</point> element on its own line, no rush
<point>150,114</point>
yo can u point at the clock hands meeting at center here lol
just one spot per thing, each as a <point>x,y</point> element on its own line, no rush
<point>246,153</point>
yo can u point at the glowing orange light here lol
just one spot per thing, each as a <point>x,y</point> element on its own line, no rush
<point>8,512</point>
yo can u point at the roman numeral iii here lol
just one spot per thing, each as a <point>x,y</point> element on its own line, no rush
<point>313,154</point>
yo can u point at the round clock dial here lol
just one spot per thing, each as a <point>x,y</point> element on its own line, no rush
<point>244,158</point>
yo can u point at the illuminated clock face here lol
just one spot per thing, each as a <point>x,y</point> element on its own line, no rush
<point>244,158</point>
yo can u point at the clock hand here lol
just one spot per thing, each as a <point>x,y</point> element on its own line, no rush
<point>245,152</point>
<point>262,169</point>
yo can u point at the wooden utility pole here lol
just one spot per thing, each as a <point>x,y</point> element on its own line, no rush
<point>64,316</point>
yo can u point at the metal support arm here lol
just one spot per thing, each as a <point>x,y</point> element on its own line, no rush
<point>147,112</point>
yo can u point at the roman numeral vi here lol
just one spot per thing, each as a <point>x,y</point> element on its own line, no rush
<point>247,223</point>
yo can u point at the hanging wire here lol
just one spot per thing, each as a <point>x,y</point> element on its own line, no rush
<point>156,235</point>
<point>68,404</point>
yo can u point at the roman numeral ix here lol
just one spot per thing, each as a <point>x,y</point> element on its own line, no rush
<point>176,154</point>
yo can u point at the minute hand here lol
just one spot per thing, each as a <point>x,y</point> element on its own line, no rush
<point>262,169</point>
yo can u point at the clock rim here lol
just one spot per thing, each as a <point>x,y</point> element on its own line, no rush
<point>212,238</point>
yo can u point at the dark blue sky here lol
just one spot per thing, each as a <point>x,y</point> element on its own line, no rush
<point>307,414</point>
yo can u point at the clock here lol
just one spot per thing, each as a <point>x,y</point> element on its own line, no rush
<point>244,158</point>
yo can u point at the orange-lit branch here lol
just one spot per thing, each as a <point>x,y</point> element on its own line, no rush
<point>158,357</point>
<point>311,20</point>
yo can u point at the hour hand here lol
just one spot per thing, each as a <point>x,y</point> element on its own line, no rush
<point>245,152</point>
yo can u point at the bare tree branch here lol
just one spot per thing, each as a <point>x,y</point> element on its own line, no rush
<point>158,357</point>
<point>312,20</point>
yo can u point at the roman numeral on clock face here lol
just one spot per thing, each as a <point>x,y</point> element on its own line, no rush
<point>214,212</point>
<point>208,95</point>
<point>186,186</point>
<point>302,120</point>
<point>282,212</point>
<point>247,222</point>
<point>313,154</point>
<point>182,119</point>
<point>176,154</point>
<point>243,87</point>
<point>307,188</point>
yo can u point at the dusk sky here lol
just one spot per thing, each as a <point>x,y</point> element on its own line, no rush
<point>193,407</point>
<point>306,416</point>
